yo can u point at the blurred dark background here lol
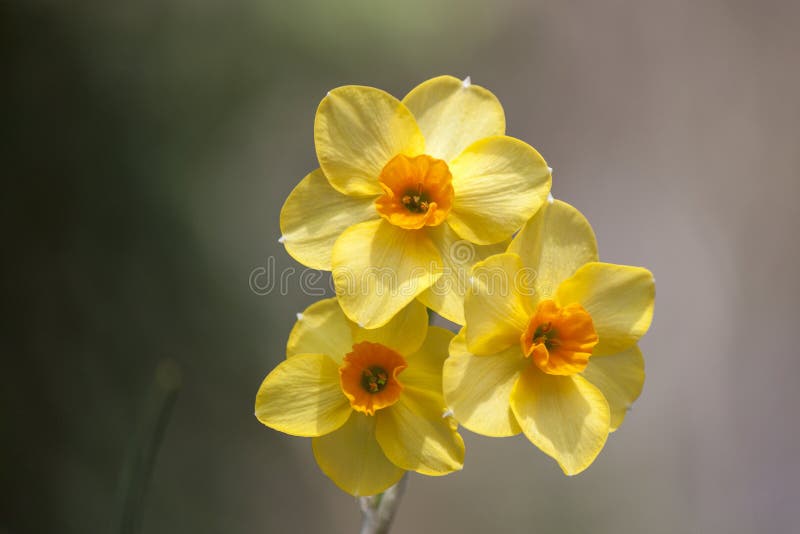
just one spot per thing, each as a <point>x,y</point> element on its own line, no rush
<point>148,147</point>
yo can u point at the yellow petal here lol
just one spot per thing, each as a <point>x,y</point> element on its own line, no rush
<point>357,131</point>
<point>619,298</point>
<point>302,397</point>
<point>404,333</point>
<point>415,436</point>
<point>315,214</point>
<point>499,183</point>
<point>452,115</point>
<point>352,458</point>
<point>620,377</point>
<point>322,328</point>
<point>379,268</point>
<point>565,416</point>
<point>555,242</point>
<point>496,311</point>
<point>478,388</point>
<point>446,296</point>
<point>424,371</point>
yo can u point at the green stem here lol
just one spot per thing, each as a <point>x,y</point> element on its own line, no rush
<point>378,511</point>
<point>142,452</point>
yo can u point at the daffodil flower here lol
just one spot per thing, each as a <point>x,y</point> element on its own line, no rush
<point>552,353</point>
<point>401,186</point>
<point>370,399</point>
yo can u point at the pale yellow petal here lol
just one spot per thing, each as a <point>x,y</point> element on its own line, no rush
<point>619,298</point>
<point>446,296</point>
<point>302,397</point>
<point>478,388</point>
<point>357,131</point>
<point>379,268</point>
<point>495,309</point>
<point>499,183</point>
<point>414,435</point>
<point>404,333</point>
<point>555,243</point>
<point>352,458</point>
<point>315,214</point>
<point>322,328</point>
<point>620,377</point>
<point>424,371</point>
<point>453,114</point>
<point>565,416</point>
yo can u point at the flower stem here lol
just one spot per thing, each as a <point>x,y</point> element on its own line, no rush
<point>141,456</point>
<point>378,511</point>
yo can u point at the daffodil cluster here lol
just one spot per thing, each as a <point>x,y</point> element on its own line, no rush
<point>425,202</point>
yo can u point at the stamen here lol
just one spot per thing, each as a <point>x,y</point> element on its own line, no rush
<point>416,201</point>
<point>374,379</point>
<point>545,334</point>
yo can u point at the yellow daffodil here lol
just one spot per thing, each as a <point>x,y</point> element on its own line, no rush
<point>400,185</point>
<point>370,399</point>
<point>549,347</point>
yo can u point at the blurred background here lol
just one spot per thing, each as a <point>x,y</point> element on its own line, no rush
<point>148,147</point>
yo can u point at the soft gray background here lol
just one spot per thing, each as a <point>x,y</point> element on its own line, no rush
<point>150,147</point>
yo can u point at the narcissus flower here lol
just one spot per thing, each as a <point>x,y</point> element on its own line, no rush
<point>400,185</point>
<point>549,347</point>
<point>370,399</point>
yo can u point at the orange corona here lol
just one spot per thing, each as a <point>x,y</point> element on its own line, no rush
<point>368,376</point>
<point>559,339</point>
<point>417,191</point>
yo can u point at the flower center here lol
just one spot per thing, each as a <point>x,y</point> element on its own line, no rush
<point>417,191</point>
<point>368,376</point>
<point>374,379</point>
<point>559,340</point>
<point>416,201</point>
